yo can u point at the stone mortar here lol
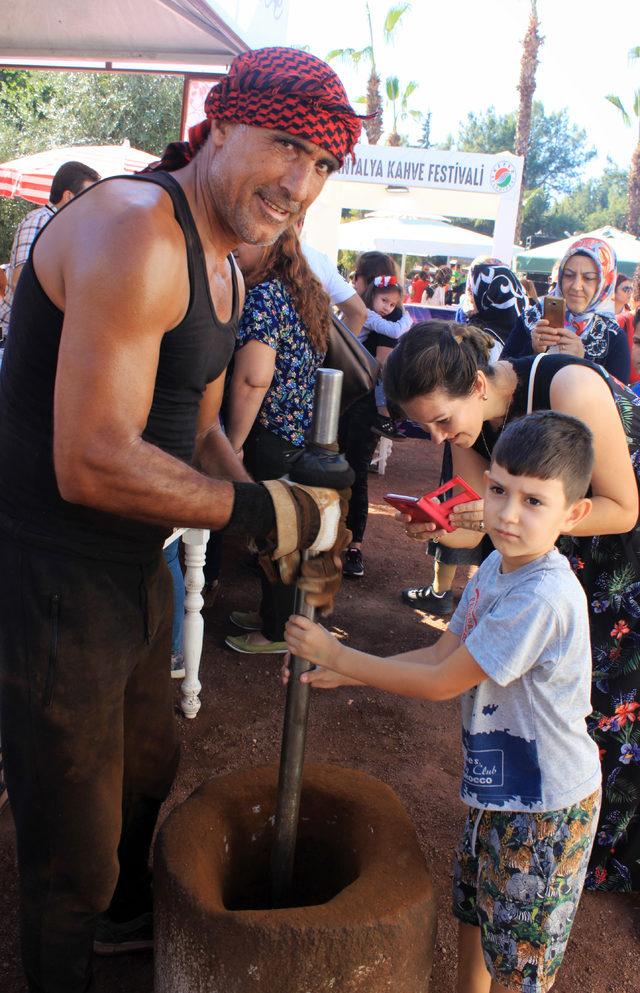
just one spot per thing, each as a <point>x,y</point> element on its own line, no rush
<point>363,917</point>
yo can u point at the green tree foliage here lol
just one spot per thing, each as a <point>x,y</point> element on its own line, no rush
<point>557,152</point>
<point>398,101</point>
<point>358,56</point>
<point>41,110</point>
<point>425,138</point>
<point>593,204</point>
<point>632,217</point>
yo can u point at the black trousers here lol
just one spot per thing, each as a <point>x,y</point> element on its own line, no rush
<point>89,743</point>
<point>456,556</point>
<point>358,443</point>
<point>267,456</point>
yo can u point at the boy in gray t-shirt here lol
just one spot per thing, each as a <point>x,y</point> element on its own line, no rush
<point>517,650</point>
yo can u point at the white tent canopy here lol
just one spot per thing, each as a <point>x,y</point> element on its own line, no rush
<point>30,176</point>
<point>411,236</point>
<point>181,35</point>
<point>542,259</point>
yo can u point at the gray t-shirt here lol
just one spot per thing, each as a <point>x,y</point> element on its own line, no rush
<point>524,733</point>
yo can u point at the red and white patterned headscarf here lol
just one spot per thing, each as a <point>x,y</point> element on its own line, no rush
<point>279,88</point>
<point>604,260</point>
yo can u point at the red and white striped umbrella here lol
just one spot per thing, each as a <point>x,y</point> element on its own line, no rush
<point>30,176</point>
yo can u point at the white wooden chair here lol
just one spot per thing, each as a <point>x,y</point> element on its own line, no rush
<point>381,454</point>
<point>195,544</point>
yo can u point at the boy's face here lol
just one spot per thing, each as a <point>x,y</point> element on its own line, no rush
<point>524,515</point>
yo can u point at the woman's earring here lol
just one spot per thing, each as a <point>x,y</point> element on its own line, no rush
<point>484,396</point>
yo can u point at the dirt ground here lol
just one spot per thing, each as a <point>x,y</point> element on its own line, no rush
<point>413,746</point>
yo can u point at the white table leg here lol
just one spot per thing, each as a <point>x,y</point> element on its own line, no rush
<point>384,451</point>
<point>195,543</point>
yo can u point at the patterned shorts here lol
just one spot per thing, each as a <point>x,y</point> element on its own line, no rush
<point>519,876</point>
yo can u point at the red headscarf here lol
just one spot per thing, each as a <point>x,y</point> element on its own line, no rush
<point>279,88</point>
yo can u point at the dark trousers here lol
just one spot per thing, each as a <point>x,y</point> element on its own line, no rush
<point>267,456</point>
<point>358,443</point>
<point>89,743</point>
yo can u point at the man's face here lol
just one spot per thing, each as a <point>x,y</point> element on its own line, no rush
<point>262,181</point>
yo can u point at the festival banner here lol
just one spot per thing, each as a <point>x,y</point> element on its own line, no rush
<point>433,169</point>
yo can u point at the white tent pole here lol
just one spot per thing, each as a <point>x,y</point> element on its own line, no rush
<point>403,267</point>
<point>506,218</point>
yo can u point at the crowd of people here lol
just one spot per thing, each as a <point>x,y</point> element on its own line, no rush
<point>185,398</point>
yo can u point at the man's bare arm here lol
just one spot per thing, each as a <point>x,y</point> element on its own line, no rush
<point>125,283</point>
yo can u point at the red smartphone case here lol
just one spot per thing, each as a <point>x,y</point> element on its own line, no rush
<point>424,509</point>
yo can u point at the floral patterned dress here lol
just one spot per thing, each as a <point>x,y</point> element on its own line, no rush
<point>608,567</point>
<point>269,316</point>
<point>609,570</point>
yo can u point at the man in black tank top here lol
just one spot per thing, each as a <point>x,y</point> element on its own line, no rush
<point>122,326</point>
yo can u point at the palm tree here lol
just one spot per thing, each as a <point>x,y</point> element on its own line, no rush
<point>526,88</point>
<point>356,57</point>
<point>399,106</point>
<point>632,220</point>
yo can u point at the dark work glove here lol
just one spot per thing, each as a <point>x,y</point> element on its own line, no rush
<point>307,518</point>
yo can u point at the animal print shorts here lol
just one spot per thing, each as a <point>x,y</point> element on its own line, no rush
<point>519,876</point>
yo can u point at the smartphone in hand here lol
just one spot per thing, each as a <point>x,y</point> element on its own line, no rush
<point>408,505</point>
<point>553,311</point>
<point>427,508</point>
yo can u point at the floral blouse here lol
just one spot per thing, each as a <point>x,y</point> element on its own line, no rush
<point>269,316</point>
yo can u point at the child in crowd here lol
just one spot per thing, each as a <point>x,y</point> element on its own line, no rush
<point>517,649</point>
<point>386,322</point>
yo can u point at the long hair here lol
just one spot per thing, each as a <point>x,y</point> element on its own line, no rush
<point>437,355</point>
<point>284,260</point>
<point>372,264</point>
<point>443,275</point>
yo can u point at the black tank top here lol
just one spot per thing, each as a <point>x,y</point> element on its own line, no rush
<point>546,370</point>
<point>192,354</point>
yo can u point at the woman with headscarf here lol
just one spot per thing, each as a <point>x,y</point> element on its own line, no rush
<point>586,281</point>
<point>494,300</point>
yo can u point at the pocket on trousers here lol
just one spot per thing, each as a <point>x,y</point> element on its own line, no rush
<point>54,634</point>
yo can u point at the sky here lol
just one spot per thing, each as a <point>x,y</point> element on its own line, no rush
<point>465,56</point>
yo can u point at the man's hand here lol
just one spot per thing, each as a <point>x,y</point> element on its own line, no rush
<point>313,519</point>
